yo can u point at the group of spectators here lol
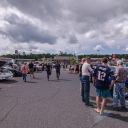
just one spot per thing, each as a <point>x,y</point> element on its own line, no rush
<point>104,82</point>
<point>57,67</point>
<point>102,79</point>
<point>29,68</point>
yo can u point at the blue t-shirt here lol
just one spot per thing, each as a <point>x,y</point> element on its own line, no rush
<point>102,74</point>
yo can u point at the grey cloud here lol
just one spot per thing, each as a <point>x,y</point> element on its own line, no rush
<point>73,39</point>
<point>84,14</point>
<point>20,30</point>
<point>43,9</point>
<point>97,10</point>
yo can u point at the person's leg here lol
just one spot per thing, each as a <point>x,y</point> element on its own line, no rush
<point>122,96</point>
<point>33,73</point>
<point>83,88</point>
<point>98,103</point>
<point>115,97</point>
<point>80,85</point>
<point>82,92</point>
<point>47,76</point>
<point>25,77</point>
<point>57,74</point>
<point>87,90</point>
<point>30,71</point>
<point>103,104</point>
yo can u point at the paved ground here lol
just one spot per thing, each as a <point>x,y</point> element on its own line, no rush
<point>52,104</point>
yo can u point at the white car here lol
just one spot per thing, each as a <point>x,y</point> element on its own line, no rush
<point>5,74</point>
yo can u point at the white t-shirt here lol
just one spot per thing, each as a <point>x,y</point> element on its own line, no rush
<point>86,69</point>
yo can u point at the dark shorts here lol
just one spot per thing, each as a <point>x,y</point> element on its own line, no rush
<point>104,93</point>
<point>31,71</point>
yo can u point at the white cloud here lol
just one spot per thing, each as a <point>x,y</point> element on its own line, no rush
<point>98,48</point>
<point>126,49</point>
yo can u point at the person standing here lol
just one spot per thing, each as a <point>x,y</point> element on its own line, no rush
<point>80,76</point>
<point>86,72</point>
<point>102,83</point>
<point>48,70</point>
<point>31,69</point>
<point>57,68</point>
<point>121,74</point>
<point>24,71</point>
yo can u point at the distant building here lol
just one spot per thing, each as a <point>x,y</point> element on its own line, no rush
<point>63,59</point>
<point>8,60</point>
<point>21,61</point>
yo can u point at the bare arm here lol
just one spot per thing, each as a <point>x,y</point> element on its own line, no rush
<point>111,85</point>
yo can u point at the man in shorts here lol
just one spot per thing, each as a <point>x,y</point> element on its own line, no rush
<point>101,82</point>
<point>31,69</point>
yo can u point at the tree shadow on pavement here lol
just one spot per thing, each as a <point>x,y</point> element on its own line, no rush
<point>65,80</point>
<point>8,81</point>
<point>60,80</point>
<point>109,105</point>
<point>118,116</point>
<point>31,82</point>
<point>36,78</point>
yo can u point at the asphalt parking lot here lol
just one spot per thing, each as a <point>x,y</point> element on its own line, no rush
<point>39,103</point>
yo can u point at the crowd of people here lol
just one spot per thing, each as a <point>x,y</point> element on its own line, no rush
<point>102,79</point>
<point>29,68</point>
<point>104,82</point>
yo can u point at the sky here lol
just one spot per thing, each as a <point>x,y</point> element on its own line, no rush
<point>72,26</point>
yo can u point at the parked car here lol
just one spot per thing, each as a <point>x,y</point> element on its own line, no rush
<point>15,72</point>
<point>5,74</point>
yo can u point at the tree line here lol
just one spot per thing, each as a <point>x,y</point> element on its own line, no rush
<point>48,55</point>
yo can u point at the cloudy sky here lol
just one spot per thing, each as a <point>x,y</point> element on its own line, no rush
<point>72,26</point>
